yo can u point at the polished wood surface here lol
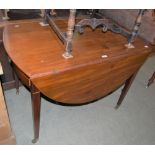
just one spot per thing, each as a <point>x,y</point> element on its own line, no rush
<point>101,63</point>
<point>37,53</point>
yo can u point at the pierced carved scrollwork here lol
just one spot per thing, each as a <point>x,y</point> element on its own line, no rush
<point>93,23</point>
<point>117,29</point>
<point>105,25</point>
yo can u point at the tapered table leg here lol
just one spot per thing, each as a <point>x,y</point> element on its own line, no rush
<point>125,90</point>
<point>151,80</point>
<point>35,96</point>
<point>16,83</point>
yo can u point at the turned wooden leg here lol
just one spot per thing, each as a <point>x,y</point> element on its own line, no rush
<point>16,83</point>
<point>35,96</point>
<point>151,80</point>
<point>125,90</point>
<point>45,21</point>
<point>71,24</point>
<point>5,14</point>
<point>135,29</point>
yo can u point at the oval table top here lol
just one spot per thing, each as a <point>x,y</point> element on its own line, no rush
<point>37,52</point>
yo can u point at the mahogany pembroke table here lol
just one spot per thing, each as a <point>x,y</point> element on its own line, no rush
<point>99,64</point>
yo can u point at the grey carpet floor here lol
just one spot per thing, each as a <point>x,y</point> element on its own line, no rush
<point>96,123</point>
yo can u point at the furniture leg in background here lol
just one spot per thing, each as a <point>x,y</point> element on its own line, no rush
<point>57,81</point>
<point>5,14</point>
<point>135,29</point>
<point>71,24</point>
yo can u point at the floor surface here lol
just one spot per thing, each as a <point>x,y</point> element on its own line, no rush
<point>96,123</point>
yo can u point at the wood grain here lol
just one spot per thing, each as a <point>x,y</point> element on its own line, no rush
<point>100,64</point>
<point>37,53</point>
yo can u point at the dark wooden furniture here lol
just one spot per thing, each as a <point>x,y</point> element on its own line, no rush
<point>98,67</point>
<point>8,81</point>
<point>6,135</point>
<point>106,24</point>
<point>151,80</point>
<point>126,18</point>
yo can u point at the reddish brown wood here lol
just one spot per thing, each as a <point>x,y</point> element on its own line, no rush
<point>35,96</point>
<point>100,64</point>
<point>25,79</point>
<point>151,80</point>
<point>125,90</point>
